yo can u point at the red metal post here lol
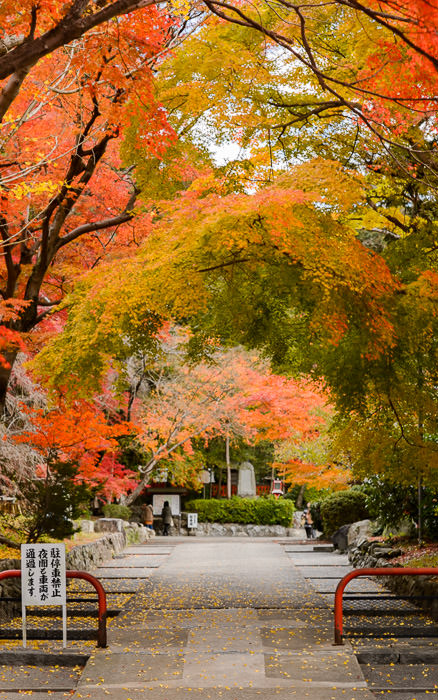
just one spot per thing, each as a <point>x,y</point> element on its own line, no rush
<point>10,573</point>
<point>101,632</point>
<point>379,571</point>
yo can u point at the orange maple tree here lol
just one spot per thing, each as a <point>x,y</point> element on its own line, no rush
<point>80,432</point>
<point>234,396</point>
<point>66,199</point>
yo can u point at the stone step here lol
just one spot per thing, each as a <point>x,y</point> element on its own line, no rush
<point>40,633</point>
<point>31,657</point>
<point>398,655</point>
<point>74,612</point>
<point>401,676</point>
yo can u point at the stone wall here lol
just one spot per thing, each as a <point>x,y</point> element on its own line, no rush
<point>116,534</point>
<point>377,554</point>
<point>238,530</point>
<point>86,557</point>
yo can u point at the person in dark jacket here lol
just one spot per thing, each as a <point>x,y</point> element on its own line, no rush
<point>166,515</point>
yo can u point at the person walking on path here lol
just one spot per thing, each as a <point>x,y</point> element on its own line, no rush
<point>148,516</point>
<point>308,522</point>
<point>166,515</point>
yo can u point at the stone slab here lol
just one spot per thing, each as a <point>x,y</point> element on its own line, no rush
<point>301,617</point>
<point>315,570</point>
<point>319,558</point>
<point>297,639</point>
<point>153,693</point>
<point>148,549</point>
<point>226,638</point>
<point>130,668</point>
<point>324,567</point>
<point>146,639</point>
<point>134,561</point>
<point>38,677</point>
<point>192,619</point>
<point>222,669</point>
<point>328,585</point>
<point>400,675</point>
<point>37,695</point>
<point>118,587</point>
<point>132,573</point>
<point>328,667</point>
<point>35,657</point>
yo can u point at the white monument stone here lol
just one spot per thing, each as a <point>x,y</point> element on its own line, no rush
<point>246,486</point>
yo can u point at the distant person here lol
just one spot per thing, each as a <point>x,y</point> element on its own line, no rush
<point>148,516</point>
<point>166,515</point>
<point>308,522</point>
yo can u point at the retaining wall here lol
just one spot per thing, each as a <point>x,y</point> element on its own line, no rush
<point>238,530</point>
<point>116,534</point>
<point>376,554</point>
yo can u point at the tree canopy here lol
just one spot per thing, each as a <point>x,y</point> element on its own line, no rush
<point>314,242</point>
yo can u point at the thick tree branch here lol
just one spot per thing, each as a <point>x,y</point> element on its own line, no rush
<point>76,22</point>
<point>9,543</point>
<point>121,218</point>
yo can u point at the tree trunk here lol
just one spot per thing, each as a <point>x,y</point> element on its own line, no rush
<point>227,459</point>
<point>300,497</point>
<point>5,375</point>
<point>131,497</point>
<point>9,543</point>
<point>219,482</point>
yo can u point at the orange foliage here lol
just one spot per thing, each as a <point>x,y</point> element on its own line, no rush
<point>66,201</point>
<point>403,69</point>
<point>80,432</point>
<point>321,477</point>
<point>235,396</point>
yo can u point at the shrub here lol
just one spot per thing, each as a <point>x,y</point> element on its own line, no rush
<point>315,512</point>
<point>391,503</point>
<point>48,506</point>
<point>258,511</point>
<point>342,508</point>
<point>115,510</point>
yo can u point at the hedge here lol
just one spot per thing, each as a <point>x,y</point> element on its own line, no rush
<point>115,510</point>
<point>342,508</point>
<point>258,511</point>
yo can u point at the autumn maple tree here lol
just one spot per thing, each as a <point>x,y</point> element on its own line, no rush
<point>65,195</point>
<point>233,396</point>
<point>328,266</point>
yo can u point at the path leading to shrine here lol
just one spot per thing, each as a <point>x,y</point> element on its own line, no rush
<point>228,619</point>
<point>220,618</point>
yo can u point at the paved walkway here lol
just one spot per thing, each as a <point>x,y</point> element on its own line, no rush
<point>228,619</point>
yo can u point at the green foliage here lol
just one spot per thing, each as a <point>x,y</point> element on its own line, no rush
<point>310,495</point>
<point>389,503</point>
<point>342,508</point>
<point>392,503</point>
<point>49,505</point>
<point>258,511</point>
<point>115,510</point>
<point>315,512</point>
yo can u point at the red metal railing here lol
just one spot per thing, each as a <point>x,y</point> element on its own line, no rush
<point>379,571</point>
<point>101,630</point>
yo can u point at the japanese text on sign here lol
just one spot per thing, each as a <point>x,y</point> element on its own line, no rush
<point>192,520</point>
<point>43,574</point>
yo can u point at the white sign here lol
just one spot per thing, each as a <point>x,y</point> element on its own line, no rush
<point>43,580</point>
<point>43,574</point>
<point>192,520</point>
<point>158,500</point>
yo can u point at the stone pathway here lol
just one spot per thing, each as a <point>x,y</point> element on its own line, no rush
<point>223,618</point>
